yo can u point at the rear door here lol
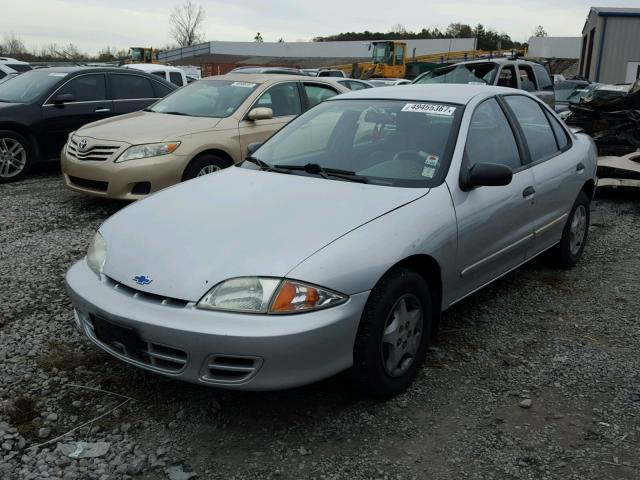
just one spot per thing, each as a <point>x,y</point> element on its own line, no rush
<point>284,100</point>
<point>494,223</point>
<point>89,105</point>
<point>130,92</point>
<point>557,175</point>
<point>317,92</point>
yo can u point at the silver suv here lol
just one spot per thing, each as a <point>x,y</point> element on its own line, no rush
<point>502,72</point>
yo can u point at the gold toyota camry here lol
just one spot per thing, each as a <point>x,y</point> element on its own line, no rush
<point>199,129</point>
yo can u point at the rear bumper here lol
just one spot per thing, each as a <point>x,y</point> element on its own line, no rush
<point>263,352</point>
<point>122,180</point>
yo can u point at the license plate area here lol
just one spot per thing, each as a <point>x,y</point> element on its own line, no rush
<point>122,339</point>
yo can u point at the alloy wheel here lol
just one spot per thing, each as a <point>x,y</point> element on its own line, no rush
<point>207,169</point>
<point>578,229</point>
<point>13,157</point>
<point>402,335</point>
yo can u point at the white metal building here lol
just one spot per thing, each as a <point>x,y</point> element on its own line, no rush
<point>554,47</point>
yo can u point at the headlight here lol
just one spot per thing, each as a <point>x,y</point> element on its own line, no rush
<point>97,254</point>
<point>268,295</point>
<point>149,150</point>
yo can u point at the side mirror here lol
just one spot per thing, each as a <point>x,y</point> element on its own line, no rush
<point>63,98</point>
<point>252,147</point>
<point>260,113</point>
<point>487,175</point>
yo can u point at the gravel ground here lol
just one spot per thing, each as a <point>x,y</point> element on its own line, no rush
<point>536,377</point>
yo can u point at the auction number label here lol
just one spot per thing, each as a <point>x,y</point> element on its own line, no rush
<point>433,108</point>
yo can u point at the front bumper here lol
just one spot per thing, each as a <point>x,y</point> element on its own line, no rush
<point>130,180</point>
<point>229,350</point>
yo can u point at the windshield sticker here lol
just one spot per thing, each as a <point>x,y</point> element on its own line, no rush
<point>57,74</point>
<point>432,161</point>
<point>243,84</point>
<point>429,108</point>
<point>428,172</point>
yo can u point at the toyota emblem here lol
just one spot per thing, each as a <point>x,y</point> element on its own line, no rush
<point>82,144</point>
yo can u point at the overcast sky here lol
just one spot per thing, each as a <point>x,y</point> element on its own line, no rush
<point>93,24</point>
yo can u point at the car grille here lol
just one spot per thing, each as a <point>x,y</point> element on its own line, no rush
<point>231,369</point>
<point>145,296</point>
<point>89,184</point>
<point>160,357</point>
<point>96,153</point>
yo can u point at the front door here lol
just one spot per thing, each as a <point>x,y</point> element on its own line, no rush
<point>284,100</point>
<point>494,223</point>
<point>89,105</point>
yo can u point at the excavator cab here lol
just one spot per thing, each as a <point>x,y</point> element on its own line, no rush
<point>389,59</point>
<point>142,55</point>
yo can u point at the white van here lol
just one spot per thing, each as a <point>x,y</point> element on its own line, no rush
<point>170,74</point>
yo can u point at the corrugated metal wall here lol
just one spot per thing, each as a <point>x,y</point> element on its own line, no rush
<point>554,47</point>
<point>621,46</point>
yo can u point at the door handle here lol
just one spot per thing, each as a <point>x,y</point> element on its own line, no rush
<point>528,192</point>
<point>580,167</point>
<point>102,110</point>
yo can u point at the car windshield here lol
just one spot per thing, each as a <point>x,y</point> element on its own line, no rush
<point>383,142</point>
<point>210,98</point>
<point>568,92</point>
<point>29,86</point>
<point>484,73</point>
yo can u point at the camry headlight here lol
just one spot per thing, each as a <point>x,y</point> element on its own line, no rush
<point>150,150</point>
<point>97,254</point>
<point>268,295</point>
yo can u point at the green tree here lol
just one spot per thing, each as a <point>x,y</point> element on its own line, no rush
<point>540,32</point>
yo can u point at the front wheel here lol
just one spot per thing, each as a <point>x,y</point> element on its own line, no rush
<point>204,165</point>
<point>392,337</point>
<point>574,236</point>
<point>16,156</point>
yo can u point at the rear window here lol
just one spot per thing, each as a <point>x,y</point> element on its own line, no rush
<point>544,81</point>
<point>176,78</point>
<point>19,67</point>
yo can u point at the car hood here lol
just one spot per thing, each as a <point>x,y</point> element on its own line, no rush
<point>146,127</point>
<point>238,222</point>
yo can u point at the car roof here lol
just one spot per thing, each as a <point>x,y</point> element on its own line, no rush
<point>267,77</point>
<point>446,93</point>
<point>151,67</point>
<point>494,60</point>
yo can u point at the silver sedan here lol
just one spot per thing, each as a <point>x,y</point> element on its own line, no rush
<point>339,242</point>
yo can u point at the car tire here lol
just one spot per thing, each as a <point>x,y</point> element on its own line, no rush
<point>574,236</point>
<point>203,165</point>
<point>387,358</point>
<point>16,156</point>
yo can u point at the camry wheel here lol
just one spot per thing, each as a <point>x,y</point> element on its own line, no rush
<point>204,165</point>
<point>392,337</point>
<point>15,156</point>
<point>574,236</point>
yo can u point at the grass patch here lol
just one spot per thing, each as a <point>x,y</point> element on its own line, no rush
<point>64,357</point>
<point>22,413</point>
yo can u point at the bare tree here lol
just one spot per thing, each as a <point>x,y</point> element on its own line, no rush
<point>539,31</point>
<point>186,21</point>
<point>398,28</point>
<point>258,38</point>
<point>12,45</point>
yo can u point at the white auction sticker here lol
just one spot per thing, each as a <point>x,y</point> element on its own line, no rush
<point>57,74</point>
<point>243,84</point>
<point>429,108</point>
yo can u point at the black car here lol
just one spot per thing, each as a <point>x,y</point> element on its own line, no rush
<point>39,108</point>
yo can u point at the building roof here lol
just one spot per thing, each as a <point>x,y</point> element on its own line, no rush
<point>613,11</point>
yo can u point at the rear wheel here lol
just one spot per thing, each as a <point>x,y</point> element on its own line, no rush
<point>574,236</point>
<point>16,156</point>
<point>392,337</point>
<point>204,165</point>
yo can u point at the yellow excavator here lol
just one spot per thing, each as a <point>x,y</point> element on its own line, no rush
<point>388,60</point>
<point>142,55</point>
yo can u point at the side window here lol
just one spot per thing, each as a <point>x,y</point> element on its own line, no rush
<point>357,86</point>
<point>160,90</point>
<point>318,93</point>
<point>176,78</point>
<point>537,131</point>
<point>527,79</point>
<point>399,55</point>
<point>125,87</point>
<point>282,98</point>
<point>85,88</point>
<point>490,138</point>
<point>561,135</point>
<point>160,74</point>
<point>2,74</point>
<point>543,78</point>
<point>507,77</point>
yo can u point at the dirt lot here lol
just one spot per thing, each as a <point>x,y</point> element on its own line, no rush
<point>566,340</point>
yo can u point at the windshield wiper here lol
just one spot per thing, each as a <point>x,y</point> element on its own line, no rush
<point>265,166</point>
<point>317,169</point>
<point>174,113</point>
